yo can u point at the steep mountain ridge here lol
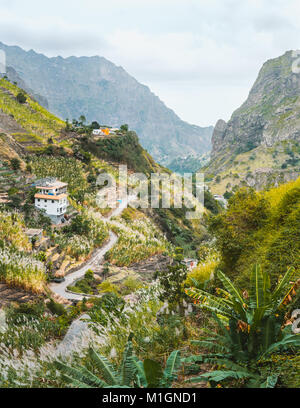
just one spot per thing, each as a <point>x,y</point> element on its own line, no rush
<point>98,89</point>
<point>259,145</point>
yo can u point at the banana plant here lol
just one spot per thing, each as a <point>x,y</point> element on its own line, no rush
<point>250,326</point>
<point>151,375</point>
<point>81,377</point>
<point>132,372</point>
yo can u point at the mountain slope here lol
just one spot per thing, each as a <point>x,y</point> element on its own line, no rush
<point>44,148</point>
<point>98,89</point>
<point>260,145</point>
<point>28,124</point>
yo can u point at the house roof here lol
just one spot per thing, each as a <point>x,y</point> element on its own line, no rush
<point>50,197</point>
<point>50,183</point>
<point>54,186</point>
<point>32,232</point>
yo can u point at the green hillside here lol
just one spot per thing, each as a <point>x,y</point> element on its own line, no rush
<point>34,125</point>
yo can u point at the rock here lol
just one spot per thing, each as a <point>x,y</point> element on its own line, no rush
<point>266,124</point>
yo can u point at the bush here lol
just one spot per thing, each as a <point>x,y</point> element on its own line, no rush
<point>15,163</point>
<point>107,287</point>
<point>202,273</point>
<point>56,308</point>
<point>238,228</point>
<point>130,285</point>
<point>21,97</point>
<point>259,227</point>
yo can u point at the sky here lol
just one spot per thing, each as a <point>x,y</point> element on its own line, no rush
<point>201,57</point>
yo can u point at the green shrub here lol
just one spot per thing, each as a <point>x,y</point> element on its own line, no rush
<point>56,308</point>
<point>21,97</point>
<point>107,287</point>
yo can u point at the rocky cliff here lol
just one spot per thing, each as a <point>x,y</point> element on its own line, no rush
<point>260,144</point>
<point>98,89</point>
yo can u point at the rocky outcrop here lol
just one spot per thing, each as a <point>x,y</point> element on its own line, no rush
<point>266,127</point>
<point>218,137</point>
<point>269,115</point>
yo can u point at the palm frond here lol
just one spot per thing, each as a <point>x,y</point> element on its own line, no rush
<point>270,382</point>
<point>283,284</point>
<point>128,368</point>
<point>289,341</point>
<point>229,286</point>
<point>220,375</point>
<point>211,302</point>
<point>104,367</point>
<point>140,373</point>
<point>80,375</point>
<point>256,288</point>
<point>172,366</point>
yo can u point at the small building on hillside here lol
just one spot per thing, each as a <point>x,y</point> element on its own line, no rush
<point>221,200</point>
<point>190,263</point>
<point>34,234</point>
<point>105,131</point>
<point>52,198</point>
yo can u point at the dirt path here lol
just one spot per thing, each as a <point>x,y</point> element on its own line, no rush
<point>61,288</point>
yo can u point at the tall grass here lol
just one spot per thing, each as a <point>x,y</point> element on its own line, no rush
<point>22,270</point>
<point>138,240</point>
<point>11,230</point>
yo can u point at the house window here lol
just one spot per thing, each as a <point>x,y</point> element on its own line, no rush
<point>39,200</point>
<point>52,201</point>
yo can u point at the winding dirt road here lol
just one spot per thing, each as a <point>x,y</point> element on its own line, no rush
<point>61,288</point>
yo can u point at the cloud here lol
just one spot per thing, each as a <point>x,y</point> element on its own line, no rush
<point>200,57</point>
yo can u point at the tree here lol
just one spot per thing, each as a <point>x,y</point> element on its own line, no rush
<point>28,168</point>
<point>105,270</point>
<point>172,280</point>
<point>124,128</point>
<point>80,225</point>
<point>250,326</point>
<point>82,120</point>
<point>68,126</point>
<point>95,125</point>
<point>236,229</point>
<point>210,203</point>
<point>21,97</point>
<point>227,195</point>
<point>15,163</point>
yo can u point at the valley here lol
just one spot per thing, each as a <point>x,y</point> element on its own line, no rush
<point>205,302</point>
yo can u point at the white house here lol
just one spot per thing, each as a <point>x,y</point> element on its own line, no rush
<point>52,198</point>
<point>105,131</point>
<point>190,263</point>
<point>221,200</point>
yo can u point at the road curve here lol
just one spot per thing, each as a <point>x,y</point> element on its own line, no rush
<point>61,288</point>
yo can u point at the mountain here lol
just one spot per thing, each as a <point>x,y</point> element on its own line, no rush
<point>190,164</point>
<point>40,144</point>
<point>260,145</point>
<point>99,90</point>
<point>13,77</point>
